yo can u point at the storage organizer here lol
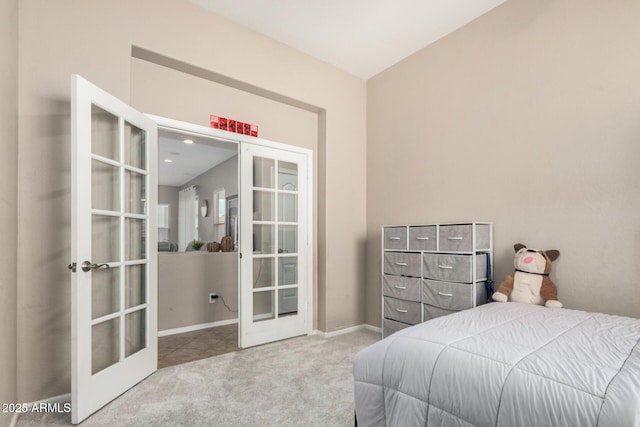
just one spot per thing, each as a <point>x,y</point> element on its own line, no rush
<point>433,270</point>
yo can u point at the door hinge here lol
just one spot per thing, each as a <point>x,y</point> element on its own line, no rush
<point>72,267</point>
<point>240,255</point>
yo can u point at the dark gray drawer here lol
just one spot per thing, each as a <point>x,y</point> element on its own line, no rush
<point>454,268</point>
<point>459,238</point>
<point>395,238</point>
<point>402,311</point>
<point>453,296</point>
<point>402,264</point>
<point>401,287</point>
<point>423,238</point>
<point>431,312</point>
<point>391,326</point>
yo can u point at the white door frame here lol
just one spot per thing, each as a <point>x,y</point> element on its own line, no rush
<point>190,128</point>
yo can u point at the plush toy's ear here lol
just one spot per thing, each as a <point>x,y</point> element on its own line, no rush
<point>518,246</point>
<point>553,254</point>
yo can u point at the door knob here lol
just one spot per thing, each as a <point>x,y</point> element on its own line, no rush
<point>88,266</point>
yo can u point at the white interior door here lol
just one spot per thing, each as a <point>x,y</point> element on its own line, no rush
<point>275,244</point>
<point>114,248</point>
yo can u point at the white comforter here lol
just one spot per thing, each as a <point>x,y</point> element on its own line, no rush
<point>504,364</point>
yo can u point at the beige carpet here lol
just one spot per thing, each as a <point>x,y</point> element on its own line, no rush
<point>304,381</point>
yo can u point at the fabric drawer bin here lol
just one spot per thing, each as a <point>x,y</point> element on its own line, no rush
<point>402,311</point>
<point>391,326</point>
<point>395,237</point>
<point>431,312</point>
<point>453,296</point>
<point>459,238</point>
<point>407,288</point>
<point>454,268</point>
<point>402,264</point>
<point>423,238</point>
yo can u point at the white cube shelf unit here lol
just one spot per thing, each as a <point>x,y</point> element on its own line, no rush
<point>432,270</point>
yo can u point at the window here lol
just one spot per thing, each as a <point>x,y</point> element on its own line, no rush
<point>163,223</point>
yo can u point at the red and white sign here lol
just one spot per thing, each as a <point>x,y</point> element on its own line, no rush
<point>231,125</point>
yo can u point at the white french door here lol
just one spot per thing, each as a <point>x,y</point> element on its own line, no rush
<point>275,237</point>
<point>113,247</point>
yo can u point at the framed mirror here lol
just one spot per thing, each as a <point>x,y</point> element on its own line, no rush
<point>204,208</point>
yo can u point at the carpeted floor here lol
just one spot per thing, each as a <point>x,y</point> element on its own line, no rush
<point>304,381</point>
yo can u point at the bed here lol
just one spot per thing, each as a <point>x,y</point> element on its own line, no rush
<point>503,364</point>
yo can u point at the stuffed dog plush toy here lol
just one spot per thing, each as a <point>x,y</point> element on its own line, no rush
<point>530,283</point>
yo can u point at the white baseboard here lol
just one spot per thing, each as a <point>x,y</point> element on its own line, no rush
<point>63,398</point>
<point>197,327</point>
<point>372,328</point>
<point>331,334</point>
<point>348,330</point>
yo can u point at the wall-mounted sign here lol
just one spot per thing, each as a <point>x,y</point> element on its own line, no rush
<point>231,125</point>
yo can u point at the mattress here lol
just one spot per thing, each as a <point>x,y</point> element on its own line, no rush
<point>503,364</point>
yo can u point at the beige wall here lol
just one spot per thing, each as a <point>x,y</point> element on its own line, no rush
<point>184,283</point>
<point>94,39</point>
<point>528,117</point>
<point>186,279</point>
<point>8,201</point>
<point>166,92</point>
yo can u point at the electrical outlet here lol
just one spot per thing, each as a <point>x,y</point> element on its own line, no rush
<point>213,297</point>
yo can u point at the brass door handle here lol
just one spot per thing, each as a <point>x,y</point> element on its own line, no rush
<point>88,266</point>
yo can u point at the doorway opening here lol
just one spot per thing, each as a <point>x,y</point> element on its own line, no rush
<point>198,188</point>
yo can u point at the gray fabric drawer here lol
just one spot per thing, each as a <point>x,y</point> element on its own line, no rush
<point>431,312</point>
<point>453,296</point>
<point>395,238</point>
<point>454,268</point>
<point>402,264</point>
<point>391,326</point>
<point>423,238</point>
<point>459,238</point>
<point>402,311</point>
<point>407,288</point>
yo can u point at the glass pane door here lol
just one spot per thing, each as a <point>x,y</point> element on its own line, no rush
<point>114,288</point>
<point>118,239</point>
<point>275,243</point>
<point>274,219</point>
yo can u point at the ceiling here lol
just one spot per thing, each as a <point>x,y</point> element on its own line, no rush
<point>361,37</point>
<point>189,160</point>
